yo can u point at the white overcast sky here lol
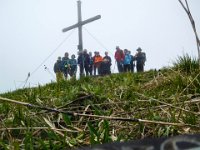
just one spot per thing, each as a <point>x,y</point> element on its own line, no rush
<point>30,30</point>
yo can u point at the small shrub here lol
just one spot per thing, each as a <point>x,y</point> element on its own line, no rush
<point>186,64</point>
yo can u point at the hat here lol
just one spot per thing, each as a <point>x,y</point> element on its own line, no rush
<point>139,49</point>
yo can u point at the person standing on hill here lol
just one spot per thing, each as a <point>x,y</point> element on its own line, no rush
<point>105,65</point>
<point>132,64</point>
<point>127,61</point>
<point>58,70</point>
<point>97,62</point>
<point>86,61</point>
<point>73,66</point>
<point>65,65</point>
<point>91,63</point>
<point>119,57</point>
<point>140,60</point>
<point>83,61</point>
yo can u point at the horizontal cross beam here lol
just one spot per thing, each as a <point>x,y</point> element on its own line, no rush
<point>82,23</point>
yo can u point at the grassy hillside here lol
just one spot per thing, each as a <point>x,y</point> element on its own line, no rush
<point>96,110</point>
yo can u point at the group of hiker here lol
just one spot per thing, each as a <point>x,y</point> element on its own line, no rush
<point>98,65</point>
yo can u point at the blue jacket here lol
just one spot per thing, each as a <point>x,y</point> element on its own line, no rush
<point>65,63</point>
<point>127,59</point>
<point>73,64</point>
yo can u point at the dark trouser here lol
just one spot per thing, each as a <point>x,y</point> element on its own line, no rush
<point>86,69</point>
<point>127,68</point>
<point>96,68</point>
<point>132,66</point>
<point>73,72</point>
<point>140,67</point>
<point>120,66</point>
<point>90,69</point>
<point>81,69</point>
<point>105,69</point>
<point>65,73</point>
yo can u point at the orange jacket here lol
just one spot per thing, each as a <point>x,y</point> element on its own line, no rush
<point>97,60</point>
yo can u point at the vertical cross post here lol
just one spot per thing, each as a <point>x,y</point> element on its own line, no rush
<point>80,35</point>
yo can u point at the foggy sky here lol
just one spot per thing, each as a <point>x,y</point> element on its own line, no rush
<point>31,30</point>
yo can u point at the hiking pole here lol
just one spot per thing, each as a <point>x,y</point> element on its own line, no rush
<point>114,66</point>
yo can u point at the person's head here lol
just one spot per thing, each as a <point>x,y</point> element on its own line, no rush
<point>90,53</point>
<point>106,53</point>
<point>85,51</point>
<point>117,48</point>
<point>66,54</point>
<point>139,49</point>
<point>59,58</point>
<point>73,56</point>
<point>125,51</point>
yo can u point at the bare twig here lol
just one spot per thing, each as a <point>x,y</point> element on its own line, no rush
<point>187,10</point>
<point>38,128</point>
<point>76,100</point>
<point>81,119</point>
<point>96,116</point>
<point>195,113</point>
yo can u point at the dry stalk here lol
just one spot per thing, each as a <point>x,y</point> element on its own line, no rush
<point>187,10</point>
<point>195,113</point>
<point>38,128</point>
<point>76,100</point>
<point>95,116</point>
<point>81,119</point>
<point>189,84</point>
<point>170,105</point>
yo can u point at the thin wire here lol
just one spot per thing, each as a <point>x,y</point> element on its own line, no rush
<point>52,52</point>
<point>27,79</point>
<point>47,69</point>
<point>97,40</point>
<point>30,74</point>
<point>24,82</point>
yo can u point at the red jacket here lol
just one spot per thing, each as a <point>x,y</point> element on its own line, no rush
<point>119,55</point>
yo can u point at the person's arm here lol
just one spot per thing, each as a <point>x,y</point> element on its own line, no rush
<point>54,68</point>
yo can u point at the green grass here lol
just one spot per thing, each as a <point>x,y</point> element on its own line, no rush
<point>166,95</point>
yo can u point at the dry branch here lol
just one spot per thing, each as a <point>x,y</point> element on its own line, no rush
<point>96,116</point>
<point>187,10</point>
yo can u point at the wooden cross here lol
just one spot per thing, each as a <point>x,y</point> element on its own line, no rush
<point>80,24</point>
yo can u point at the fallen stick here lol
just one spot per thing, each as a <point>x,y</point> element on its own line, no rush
<point>37,128</point>
<point>96,116</point>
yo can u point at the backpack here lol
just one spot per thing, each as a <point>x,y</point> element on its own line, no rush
<point>144,56</point>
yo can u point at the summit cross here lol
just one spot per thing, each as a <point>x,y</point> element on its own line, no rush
<point>80,24</point>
